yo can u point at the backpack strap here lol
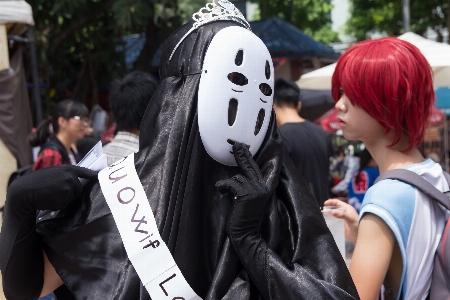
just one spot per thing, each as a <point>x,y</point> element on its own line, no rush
<point>419,182</point>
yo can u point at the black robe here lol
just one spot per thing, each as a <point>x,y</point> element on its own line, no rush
<point>301,259</point>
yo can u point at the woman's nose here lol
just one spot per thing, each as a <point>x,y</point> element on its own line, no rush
<point>338,104</point>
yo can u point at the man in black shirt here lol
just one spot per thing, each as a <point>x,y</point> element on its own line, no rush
<point>307,144</point>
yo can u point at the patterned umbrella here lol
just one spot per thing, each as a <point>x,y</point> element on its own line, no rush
<point>329,121</point>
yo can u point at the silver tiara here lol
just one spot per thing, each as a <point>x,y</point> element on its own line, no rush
<point>217,10</point>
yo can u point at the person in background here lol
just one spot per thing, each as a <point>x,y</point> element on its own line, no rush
<point>336,160</point>
<point>384,93</point>
<point>56,137</point>
<point>363,179</point>
<point>128,100</point>
<point>306,143</point>
<point>336,167</point>
<point>58,133</point>
<point>348,164</point>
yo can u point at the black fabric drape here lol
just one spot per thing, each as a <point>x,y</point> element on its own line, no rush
<point>178,176</point>
<point>15,112</point>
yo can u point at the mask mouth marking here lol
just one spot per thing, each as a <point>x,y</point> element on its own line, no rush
<point>259,120</point>
<point>262,100</point>
<point>232,111</point>
<point>236,91</point>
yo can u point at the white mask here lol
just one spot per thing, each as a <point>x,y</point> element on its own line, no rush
<point>235,94</point>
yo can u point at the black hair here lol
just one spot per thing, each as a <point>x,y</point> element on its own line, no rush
<point>67,109</point>
<point>364,159</point>
<point>85,144</point>
<point>129,97</point>
<point>287,93</point>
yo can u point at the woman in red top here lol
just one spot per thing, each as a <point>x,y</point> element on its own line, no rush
<point>58,133</point>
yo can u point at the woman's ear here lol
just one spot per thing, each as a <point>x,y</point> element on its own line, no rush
<point>62,122</point>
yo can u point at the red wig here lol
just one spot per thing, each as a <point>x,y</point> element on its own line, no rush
<point>392,81</point>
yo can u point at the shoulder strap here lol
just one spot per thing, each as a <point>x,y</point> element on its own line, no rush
<point>422,184</point>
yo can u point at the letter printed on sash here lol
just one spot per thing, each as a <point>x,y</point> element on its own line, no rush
<point>136,223</point>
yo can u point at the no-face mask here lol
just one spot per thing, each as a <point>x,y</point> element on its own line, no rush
<point>235,94</point>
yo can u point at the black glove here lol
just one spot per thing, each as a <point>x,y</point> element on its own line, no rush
<point>250,193</point>
<point>21,259</point>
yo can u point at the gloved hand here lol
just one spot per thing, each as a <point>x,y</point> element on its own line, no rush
<point>49,188</point>
<point>250,194</point>
<point>21,259</point>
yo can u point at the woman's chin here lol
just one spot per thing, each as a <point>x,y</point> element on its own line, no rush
<point>349,136</point>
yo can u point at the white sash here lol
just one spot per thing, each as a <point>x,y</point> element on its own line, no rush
<point>134,219</point>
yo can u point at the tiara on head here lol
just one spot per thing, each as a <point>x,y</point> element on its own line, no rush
<point>223,10</point>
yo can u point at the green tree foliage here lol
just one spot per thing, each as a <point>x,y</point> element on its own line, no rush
<point>385,16</point>
<point>311,16</point>
<point>79,41</point>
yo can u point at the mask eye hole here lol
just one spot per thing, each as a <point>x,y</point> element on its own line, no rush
<point>259,121</point>
<point>239,58</point>
<point>265,89</point>
<point>267,70</point>
<point>238,78</point>
<point>232,111</point>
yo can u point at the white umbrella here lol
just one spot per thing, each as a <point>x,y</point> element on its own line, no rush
<point>437,54</point>
<point>15,11</point>
<point>319,79</point>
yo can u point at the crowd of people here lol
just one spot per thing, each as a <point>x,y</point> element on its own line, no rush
<point>66,137</point>
<point>241,220</point>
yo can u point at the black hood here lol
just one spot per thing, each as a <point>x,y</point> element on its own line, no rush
<point>179,179</point>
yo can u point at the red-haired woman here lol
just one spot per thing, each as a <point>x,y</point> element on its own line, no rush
<point>384,92</point>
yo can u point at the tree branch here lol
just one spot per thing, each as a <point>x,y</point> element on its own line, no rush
<point>155,36</point>
<point>59,40</point>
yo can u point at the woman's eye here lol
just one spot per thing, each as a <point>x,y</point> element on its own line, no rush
<point>341,92</point>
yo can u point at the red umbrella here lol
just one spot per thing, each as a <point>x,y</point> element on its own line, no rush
<point>330,122</point>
